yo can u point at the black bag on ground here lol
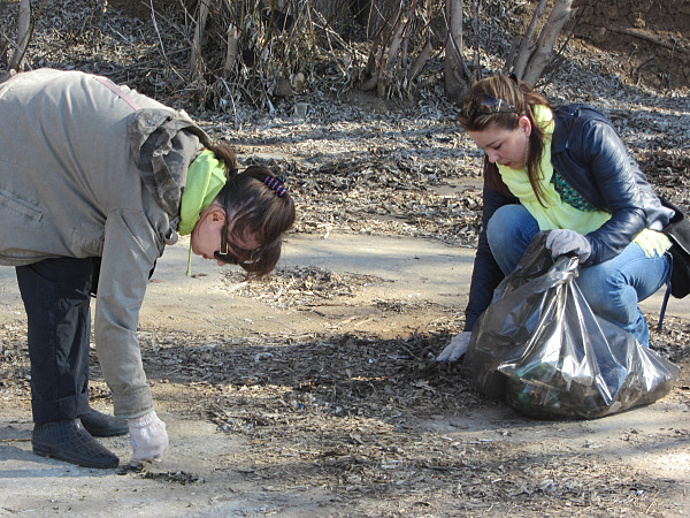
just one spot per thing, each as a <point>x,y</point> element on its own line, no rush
<point>678,231</point>
<point>540,345</point>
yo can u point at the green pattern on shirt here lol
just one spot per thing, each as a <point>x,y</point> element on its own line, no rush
<point>569,195</point>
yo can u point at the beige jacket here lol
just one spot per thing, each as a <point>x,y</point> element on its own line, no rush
<point>88,169</point>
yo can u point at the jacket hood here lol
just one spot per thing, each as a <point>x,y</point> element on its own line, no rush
<point>164,143</point>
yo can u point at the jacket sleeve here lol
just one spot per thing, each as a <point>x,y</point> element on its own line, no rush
<point>486,274</point>
<point>130,251</point>
<point>619,184</point>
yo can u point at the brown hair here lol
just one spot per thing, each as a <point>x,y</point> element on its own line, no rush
<point>522,99</point>
<point>257,209</point>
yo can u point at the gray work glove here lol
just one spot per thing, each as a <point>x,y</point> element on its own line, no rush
<point>148,438</point>
<point>564,241</point>
<point>456,348</point>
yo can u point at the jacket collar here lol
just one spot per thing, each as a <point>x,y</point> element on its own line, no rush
<point>563,119</point>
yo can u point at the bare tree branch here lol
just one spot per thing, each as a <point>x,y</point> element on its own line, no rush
<point>418,65</point>
<point>560,14</point>
<point>526,48</point>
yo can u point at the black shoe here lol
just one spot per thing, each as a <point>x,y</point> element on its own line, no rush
<point>103,425</point>
<point>67,440</point>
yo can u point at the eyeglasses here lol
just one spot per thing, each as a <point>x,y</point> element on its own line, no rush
<point>485,104</point>
<point>231,255</point>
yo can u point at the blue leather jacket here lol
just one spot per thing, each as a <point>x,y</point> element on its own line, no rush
<point>592,158</point>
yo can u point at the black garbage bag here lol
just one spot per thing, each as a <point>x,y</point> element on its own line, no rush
<point>540,345</point>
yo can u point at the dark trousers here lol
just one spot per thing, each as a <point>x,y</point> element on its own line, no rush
<point>57,296</point>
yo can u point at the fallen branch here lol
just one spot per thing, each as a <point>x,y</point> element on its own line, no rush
<point>675,47</point>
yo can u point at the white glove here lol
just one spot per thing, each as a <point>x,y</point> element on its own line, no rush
<point>456,348</point>
<point>148,438</point>
<point>563,241</point>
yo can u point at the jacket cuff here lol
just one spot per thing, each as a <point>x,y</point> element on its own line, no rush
<point>134,404</point>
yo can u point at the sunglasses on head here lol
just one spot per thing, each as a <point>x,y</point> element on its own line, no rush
<point>485,104</point>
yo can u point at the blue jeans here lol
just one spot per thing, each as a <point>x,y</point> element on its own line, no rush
<point>612,288</point>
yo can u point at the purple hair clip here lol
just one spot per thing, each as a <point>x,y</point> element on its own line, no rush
<point>276,184</point>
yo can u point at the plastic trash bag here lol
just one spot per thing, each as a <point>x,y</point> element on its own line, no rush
<point>540,345</point>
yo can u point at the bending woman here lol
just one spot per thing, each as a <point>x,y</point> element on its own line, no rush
<point>565,170</point>
<point>95,181</point>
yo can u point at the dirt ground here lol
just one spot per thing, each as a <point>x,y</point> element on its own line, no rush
<point>312,393</point>
<point>651,35</point>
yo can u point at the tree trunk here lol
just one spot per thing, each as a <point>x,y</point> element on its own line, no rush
<point>233,37</point>
<point>454,71</point>
<point>23,36</point>
<point>533,58</point>
<point>196,59</point>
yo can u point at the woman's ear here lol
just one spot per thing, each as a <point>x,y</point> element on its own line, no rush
<point>214,214</point>
<point>525,125</point>
<point>218,214</point>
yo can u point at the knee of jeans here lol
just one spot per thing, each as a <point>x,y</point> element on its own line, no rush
<point>615,301</point>
<point>592,284</point>
<point>597,288</point>
<point>599,304</point>
<point>504,223</point>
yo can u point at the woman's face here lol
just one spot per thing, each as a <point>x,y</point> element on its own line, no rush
<point>504,146</point>
<point>206,235</point>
